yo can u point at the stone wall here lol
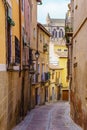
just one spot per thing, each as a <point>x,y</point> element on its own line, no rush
<point>13,98</point>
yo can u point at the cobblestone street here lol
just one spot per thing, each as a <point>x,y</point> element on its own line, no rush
<point>53,116</point>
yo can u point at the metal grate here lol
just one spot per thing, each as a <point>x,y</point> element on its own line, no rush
<point>17,50</point>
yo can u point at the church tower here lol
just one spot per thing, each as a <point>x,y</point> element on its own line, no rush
<point>48,20</point>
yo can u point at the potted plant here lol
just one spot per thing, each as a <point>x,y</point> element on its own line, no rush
<point>45,46</point>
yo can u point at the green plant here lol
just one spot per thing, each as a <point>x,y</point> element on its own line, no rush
<point>45,45</point>
<point>68,29</point>
<point>68,33</point>
<point>10,21</point>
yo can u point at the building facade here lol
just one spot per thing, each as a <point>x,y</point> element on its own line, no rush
<point>40,79</point>
<point>43,47</point>
<point>78,62</point>
<point>58,55</point>
<point>16,38</point>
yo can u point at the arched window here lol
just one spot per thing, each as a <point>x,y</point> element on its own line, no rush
<point>52,33</point>
<point>55,34</point>
<point>61,33</point>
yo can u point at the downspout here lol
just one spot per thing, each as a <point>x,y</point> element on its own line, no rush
<point>22,87</point>
<point>37,58</point>
<point>20,23</point>
<point>5,5</point>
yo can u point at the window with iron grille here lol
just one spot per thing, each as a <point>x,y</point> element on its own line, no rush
<point>30,56</point>
<point>22,5</point>
<point>17,50</point>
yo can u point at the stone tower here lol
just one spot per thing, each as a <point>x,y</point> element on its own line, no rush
<point>48,20</point>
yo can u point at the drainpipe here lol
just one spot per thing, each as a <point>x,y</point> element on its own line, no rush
<point>22,88</point>
<point>37,58</point>
<point>20,33</point>
<point>6,33</point>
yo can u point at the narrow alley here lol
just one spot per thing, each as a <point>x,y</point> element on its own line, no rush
<point>53,116</point>
<point>43,65</point>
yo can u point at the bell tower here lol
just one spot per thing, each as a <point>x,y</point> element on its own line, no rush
<point>48,20</point>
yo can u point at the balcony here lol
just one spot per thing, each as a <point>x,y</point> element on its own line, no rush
<point>45,77</point>
<point>68,34</point>
<point>69,31</point>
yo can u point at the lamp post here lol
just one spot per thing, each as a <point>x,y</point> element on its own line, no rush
<point>37,56</point>
<point>39,2</point>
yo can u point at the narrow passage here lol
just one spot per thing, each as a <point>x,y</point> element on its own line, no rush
<point>53,116</point>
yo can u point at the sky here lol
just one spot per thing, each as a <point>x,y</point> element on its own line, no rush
<point>56,9</point>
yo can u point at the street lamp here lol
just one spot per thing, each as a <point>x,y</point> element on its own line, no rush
<point>39,2</point>
<point>37,54</point>
<point>32,72</point>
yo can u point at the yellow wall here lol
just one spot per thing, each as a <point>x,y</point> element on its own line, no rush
<point>15,16</point>
<point>62,47</point>
<point>10,89</point>
<point>44,58</point>
<point>63,65</point>
<point>14,29</point>
<point>2,34</point>
<point>33,39</point>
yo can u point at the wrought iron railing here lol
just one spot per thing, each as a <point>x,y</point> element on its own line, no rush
<point>13,51</point>
<point>17,50</point>
<point>45,76</point>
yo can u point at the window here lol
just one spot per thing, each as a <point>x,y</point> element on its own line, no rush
<point>41,37</point>
<point>46,68</point>
<point>57,28</point>
<point>57,34</point>
<point>34,76</point>
<point>54,33</point>
<point>17,50</point>
<point>30,56</point>
<point>61,33</point>
<point>22,5</point>
<point>38,68</point>
<point>34,33</point>
<point>52,76</point>
<point>59,49</point>
<point>42,68</point>
<point>65,49</point>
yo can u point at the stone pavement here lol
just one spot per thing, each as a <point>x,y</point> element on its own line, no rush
<point>53,116</point>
